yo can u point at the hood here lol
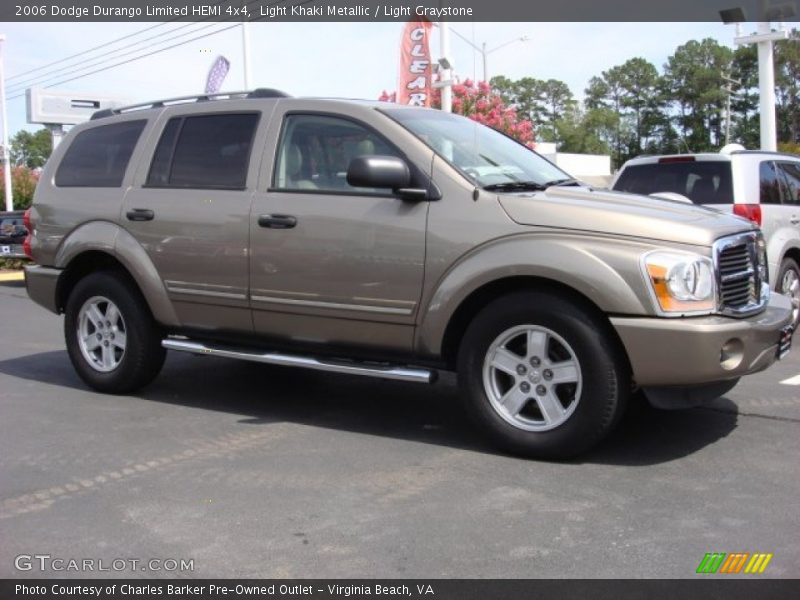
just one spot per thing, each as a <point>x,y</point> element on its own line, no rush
<point>622,214</point>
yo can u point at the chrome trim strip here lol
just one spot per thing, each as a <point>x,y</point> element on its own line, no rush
<point>335,305</point>
<point>178,290</point>
<point>398,373</point>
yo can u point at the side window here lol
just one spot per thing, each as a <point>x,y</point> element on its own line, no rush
<point>768,183</point>
<point>791,177</point>
<point>98,157</point>
<point>204,152</point>
<point>315,151</point>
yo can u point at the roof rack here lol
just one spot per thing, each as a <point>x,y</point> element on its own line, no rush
<point>256,93</point>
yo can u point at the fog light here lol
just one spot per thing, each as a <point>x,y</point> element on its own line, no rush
<point>731,354</point>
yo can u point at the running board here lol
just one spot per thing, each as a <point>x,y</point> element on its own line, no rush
<point>384,371</point>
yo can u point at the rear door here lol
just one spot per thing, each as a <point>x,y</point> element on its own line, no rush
<point>190,211</point>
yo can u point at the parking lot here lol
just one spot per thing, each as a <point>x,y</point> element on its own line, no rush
<point>256,471</point>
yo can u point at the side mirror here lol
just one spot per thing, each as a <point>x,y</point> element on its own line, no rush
<point>378,172</point>
<point>384,172</point>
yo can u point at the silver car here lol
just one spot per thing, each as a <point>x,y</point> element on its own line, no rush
<point>763,187</point>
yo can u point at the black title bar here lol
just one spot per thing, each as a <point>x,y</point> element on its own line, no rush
<point>732,588</point>
<point>398,10</point>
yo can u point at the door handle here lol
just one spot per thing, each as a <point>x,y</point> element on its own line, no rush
<point>277,221</point>
<point>140,214</point>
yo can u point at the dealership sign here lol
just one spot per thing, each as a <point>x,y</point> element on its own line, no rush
<point>414,85</point>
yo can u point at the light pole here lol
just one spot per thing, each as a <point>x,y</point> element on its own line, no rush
<point>766,80</point>
<point>6,153</point>
<point>485,53</point>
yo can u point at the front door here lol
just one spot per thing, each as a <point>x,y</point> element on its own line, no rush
<point>330,263</point>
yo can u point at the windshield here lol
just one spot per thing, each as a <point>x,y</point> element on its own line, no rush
<point>492,160</point>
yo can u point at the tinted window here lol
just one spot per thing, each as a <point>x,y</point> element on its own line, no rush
<point>206,151</point>
<point>769,186</point>
<point>99,156</point>
<point>315,152</point>
<point>12,230</point>
<point>704,182</point>
<point>791,177</point>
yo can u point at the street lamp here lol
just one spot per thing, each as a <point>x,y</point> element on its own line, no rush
<point>6,155</point>
<point>485,53</point>
<point>766,67</point>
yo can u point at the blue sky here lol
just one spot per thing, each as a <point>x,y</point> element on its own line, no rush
<point>331,59</point>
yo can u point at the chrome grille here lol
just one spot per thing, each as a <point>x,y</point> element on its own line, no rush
<point>739,274</point>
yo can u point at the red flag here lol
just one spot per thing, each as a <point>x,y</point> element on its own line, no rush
<point>416,73</point>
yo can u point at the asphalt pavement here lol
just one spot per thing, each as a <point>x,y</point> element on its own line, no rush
<point>244,470</point>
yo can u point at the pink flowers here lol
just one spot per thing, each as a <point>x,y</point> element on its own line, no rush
<point>476,101</point>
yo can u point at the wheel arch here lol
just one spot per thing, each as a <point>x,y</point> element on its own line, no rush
<point>481,297</point>
<point>104,245</point>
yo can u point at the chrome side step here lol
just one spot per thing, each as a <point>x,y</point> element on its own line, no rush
<point>385,371</point>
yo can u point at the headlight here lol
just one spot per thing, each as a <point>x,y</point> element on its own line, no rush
<point>763,270</point>
<point>681,282</point>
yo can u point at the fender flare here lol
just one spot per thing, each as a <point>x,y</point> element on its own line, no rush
<point>582,265</point>
<point>109,238</point>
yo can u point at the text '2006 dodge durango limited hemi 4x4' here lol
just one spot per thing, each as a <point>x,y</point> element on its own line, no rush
<point>390,241</point>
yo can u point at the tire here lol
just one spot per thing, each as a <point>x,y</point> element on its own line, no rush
<point>788,284</point>
<point>122,357</point>
<point>511,355</point>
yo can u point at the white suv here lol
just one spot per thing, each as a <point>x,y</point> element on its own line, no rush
<point>763,187</point>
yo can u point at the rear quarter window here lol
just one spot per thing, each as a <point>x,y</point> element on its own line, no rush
<point>98,157</point>
<point>704,182</point>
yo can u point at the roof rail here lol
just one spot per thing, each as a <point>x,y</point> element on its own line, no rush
<point>256,93</point>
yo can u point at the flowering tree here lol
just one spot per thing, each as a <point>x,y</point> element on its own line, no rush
<point>478,102</point>
<point>23,184</point>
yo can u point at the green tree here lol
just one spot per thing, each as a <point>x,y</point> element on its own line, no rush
<point>31,149</point>
<point>607,92</point>
<point>787,75</point>
<point>590,131</point>
<point>633,91</point>
<point>693,81</point>
<point>745,126</point>
<point>543,102</point>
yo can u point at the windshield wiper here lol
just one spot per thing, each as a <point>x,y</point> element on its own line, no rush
<point>565,181</point>
<point>514,186</point>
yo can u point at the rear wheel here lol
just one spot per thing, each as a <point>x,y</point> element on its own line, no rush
<point>112,340</point>
<point>540,375</point>
<point>788,284</point>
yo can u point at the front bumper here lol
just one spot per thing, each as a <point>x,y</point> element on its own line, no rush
<point>700,350</point>
<point>42,285</point>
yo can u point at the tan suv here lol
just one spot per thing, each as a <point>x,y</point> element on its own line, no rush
<point>387,241</point>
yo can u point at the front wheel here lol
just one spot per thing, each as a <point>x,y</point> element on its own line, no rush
<point>541,375</point>
<point>112,340</point>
